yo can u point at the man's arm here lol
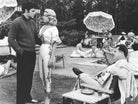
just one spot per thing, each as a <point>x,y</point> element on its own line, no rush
<point>37,39</point>
<point>12,36</point>
<point>121,71</point>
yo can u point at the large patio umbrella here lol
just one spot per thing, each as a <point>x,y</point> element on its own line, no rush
<point>99,21</point>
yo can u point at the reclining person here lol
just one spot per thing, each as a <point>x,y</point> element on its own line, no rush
<point>120,69</point>
<point>80,51</point>
<point>4,68</point>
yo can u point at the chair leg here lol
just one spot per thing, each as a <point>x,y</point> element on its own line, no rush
<point>63,62</point>
<point>109,101</point>
<point>67,101</point>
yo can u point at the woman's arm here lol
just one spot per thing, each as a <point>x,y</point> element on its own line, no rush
<point>52,58</point>
<point>55,41</point>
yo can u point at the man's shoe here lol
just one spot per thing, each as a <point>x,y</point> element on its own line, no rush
<point>76,71</point>
<point>32,101</point>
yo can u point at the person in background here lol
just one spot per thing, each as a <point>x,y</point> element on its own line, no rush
<point>108,41</point>
<point>21,37</point>
<point>130,39</point>
<point>4,68</point>
<point>49,36</point>
<point>87,40</point>
<point>120,69</point>
<point>81,52</point>
<point>121,39</point>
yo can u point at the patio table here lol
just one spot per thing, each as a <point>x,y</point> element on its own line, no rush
<point>90,99</point>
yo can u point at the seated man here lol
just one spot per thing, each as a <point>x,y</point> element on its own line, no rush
<point>121,39</point>
<point>120,69</point>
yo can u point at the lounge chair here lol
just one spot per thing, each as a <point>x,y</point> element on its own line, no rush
<point>102,95</point>
<point>58,59</point>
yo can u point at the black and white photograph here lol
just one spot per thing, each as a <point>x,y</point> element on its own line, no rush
<point>68,51</point>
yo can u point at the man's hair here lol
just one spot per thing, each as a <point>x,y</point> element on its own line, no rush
<point>123,48</point>
<point>29,5</point>
<point>135,46</point>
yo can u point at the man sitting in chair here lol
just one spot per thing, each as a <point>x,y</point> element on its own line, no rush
<point>120,68</point>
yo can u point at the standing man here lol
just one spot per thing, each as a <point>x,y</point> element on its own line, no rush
<point>22,39</point>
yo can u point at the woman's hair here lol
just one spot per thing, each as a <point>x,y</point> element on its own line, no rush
<point>123,48</point>
<point>29,5</point>
<point>51,15</point>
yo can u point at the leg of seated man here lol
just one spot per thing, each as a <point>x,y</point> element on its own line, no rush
<point>89,80</point>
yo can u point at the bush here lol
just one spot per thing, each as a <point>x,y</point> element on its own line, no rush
<point>71,37</point>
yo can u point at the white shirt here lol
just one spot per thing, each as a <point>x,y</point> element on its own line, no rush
<point>120,68</point>
<point>50,34</point>
<point>133,60</point>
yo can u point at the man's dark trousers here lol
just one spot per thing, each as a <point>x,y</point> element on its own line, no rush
<point>25,69</point>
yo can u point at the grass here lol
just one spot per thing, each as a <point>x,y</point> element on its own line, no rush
<point>60,84</point>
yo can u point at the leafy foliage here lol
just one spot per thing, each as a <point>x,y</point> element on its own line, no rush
<point>71,37</point>
<point>70,15</point>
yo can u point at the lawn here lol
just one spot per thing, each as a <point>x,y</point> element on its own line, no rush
<point>62,80</point>
<point>60,85</point>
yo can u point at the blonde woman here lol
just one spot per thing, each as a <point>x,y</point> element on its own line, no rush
<point>50,38</point>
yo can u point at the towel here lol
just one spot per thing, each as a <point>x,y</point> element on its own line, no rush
<point>128,88</point>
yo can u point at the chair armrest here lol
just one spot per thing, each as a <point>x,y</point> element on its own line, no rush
<point>97,88</point>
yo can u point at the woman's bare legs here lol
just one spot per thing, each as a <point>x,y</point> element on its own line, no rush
<point>7,66</point>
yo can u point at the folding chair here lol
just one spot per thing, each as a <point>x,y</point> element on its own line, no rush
<point>59,58</point>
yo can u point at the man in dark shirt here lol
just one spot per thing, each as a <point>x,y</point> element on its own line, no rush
<point>22,39</point>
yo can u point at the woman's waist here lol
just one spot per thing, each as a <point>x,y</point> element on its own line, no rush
<point>45,45</point>
<point>46,42</point>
